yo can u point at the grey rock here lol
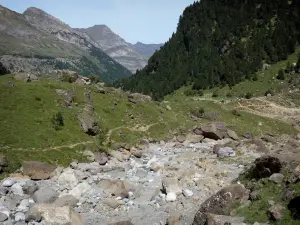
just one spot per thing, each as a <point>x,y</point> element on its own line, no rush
<point>3,190</point>
<point>276,178</point>
<point>232,135</point>
<point>111,202</point>
<point>288,194</point>
<point>45,195</point>
<point>225,152</point>
<point>67,200</point>
<point>29,187</point>
<point>17,189</point>
<point>254,195</point>
<point>122,223</point>
<point>89,154</point>
<point>8,182</point>
<point>276,212</point>
<point>80,189</point>
<point>221,202</point>
<point>3,217</point>
<point>101,158</point>
<point>174,218</point>
<point>117,155</point>
<point>24,205</point>
<point>215,131</point>
<point>19,216</point>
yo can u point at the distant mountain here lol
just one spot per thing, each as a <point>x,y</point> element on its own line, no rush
<point>146,50</point>
<point>38,42</point>
<point>116,47</point>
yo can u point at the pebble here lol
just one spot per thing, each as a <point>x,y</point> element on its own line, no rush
<point>187,193</point>
<point>171,197</point>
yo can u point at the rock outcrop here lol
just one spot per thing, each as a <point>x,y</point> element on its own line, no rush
<point>221,203</point>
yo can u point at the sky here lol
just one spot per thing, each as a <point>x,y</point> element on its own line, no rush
<point>147,21</point>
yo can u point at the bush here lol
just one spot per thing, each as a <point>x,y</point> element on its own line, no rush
<point>198,112</point>
<point>215,94</point>
<point>235,113</point>
<point>281,75</point>
<point>269,91</point>
<point>68,78</point>
<point>193,92</point>
<point>255,77</point>
<point>229,95</point>
<point>95,79</point>
<point>58,121</point>
<point>248,95</point>
<point>37,98</point>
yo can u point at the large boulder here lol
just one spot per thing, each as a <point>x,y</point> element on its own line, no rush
<point>45,195</point>
<point>116,188</point>
<point>265,167</point>
<point>171,188</point>
<point>66,200</point>
<point>215,131</point>
<point>88,122</point>
<point>221,203</point>
<point>276,212</point>
<point>101,158</point>
<point>51,214</point>
<point>294,207</point>
<point>38,170</point>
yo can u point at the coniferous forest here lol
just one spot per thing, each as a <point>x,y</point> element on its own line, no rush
<point>220,42</point>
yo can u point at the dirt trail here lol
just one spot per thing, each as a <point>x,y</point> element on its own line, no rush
<point>136,128</point>
<point>264,107</point>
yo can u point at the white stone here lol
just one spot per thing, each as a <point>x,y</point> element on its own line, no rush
<point>171,197</point>
<point>80,189</point>
<point>8,183</point>
<point>17,189</point>
<point>187,193</point>
<point>68,178</point>
<point>19,216</point>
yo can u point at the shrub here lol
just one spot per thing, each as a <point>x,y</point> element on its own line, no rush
<point>281,75</point>
<point>37,98</point>
<point>255,77</point>
<point>198,112</point>
<point>236,113</point>
<point>68,78</point>
<point>95,79</point>
<point>193,92</point>
<point>269,91</point>
<point>58,121</point>
<point>229,95</point>
<point>248,95</point>
<point>215,94</point>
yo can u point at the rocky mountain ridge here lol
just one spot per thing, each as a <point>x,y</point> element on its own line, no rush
<point>37,42</point>
<point>131,56</point>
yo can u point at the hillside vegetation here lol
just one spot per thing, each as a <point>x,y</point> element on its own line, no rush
<point>28,132</point>
<point>218,43</point>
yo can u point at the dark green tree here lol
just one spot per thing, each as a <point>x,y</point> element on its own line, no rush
<point>281,75</point>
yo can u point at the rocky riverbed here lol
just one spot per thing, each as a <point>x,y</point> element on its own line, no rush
<point>165,184</point>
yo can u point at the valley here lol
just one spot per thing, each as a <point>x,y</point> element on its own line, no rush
<point>201,130</point>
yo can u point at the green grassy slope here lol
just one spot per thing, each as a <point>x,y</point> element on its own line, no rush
<point>27,132</point>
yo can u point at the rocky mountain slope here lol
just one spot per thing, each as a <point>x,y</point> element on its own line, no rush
<point>116,47</point>
<point>146,50</point>
<point>37,42</point>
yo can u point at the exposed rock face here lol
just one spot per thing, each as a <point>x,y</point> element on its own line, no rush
<point>35,32</point>
<point>221,202</point>
<point>87,119</point>
<point>215,131</point>
<point>116,47</point>
<point>146,50</point>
